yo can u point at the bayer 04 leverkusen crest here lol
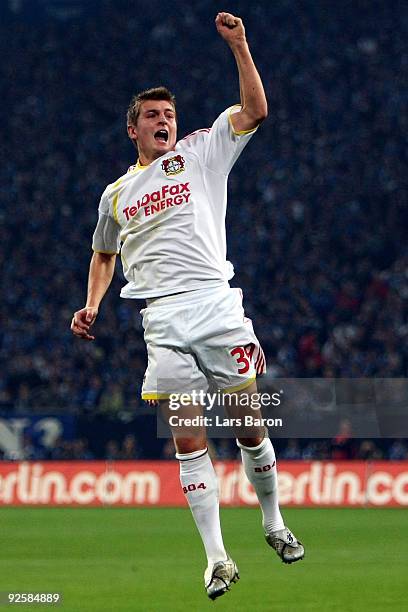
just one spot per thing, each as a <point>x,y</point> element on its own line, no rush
<point>173,165</point>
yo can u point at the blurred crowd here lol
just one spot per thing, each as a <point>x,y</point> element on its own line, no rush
<point>318,211</point>
<point>130,448</point>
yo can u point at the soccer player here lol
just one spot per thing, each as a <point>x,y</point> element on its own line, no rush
<point>167,213</point>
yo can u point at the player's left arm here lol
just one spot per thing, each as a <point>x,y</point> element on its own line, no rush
<point>254,107</point>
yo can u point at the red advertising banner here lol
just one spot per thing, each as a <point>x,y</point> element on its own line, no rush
<point>156,483</point>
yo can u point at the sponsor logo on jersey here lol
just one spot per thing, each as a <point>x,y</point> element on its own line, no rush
<point>173,165</point>
<point>156,201</point>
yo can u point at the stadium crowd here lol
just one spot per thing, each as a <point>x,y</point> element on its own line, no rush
<point>317,203</point>
<point>129,448</point>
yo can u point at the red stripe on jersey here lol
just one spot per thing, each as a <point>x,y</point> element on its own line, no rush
<point>197,132</point>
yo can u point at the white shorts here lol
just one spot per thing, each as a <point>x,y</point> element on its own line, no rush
<point>199,338</point>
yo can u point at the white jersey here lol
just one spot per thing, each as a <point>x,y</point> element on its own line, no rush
<point>170,215</point>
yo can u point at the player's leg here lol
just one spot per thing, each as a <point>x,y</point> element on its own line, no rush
<point>200,486</point>
<point>232,357</point>
<point>259,460</point>
<point>172,369</point>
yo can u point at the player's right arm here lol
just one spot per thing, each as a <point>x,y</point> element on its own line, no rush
<point>106,245</point>
<point>100,276</point>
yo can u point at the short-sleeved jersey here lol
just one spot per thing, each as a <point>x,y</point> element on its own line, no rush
<point>170,215</point>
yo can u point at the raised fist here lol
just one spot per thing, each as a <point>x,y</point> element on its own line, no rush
<point>230,28</point>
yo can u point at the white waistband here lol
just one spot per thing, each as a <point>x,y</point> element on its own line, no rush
<point>187,297</point>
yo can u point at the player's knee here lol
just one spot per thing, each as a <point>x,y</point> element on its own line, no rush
<point>190,445</point>
<point>251,442</point>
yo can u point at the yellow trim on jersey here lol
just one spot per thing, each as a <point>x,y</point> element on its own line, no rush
<point>115,200</point>
<point>243,385</point>
<point>137,166</point>
<point>106,252</point>
<point>239,132</point>
<point>140,167</point>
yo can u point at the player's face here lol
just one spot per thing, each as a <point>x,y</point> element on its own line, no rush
<point>156,129</point>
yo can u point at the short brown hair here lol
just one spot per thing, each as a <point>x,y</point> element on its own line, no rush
<point>154,93</point>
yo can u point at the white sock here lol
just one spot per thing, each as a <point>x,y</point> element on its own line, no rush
<point>260,468</point>
<point>200,486</point>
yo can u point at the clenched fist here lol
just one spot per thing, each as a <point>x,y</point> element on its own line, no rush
<point>230,28</point>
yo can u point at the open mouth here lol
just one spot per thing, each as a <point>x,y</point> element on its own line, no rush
<point>162,135</point>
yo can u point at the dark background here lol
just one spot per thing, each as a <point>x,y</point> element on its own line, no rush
<point>318,213</point>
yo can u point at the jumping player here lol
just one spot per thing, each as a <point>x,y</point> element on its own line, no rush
<point>167,216</point>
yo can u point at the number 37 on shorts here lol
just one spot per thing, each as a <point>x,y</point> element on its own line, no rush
<point>247,355</point>
<point>243,358</point>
